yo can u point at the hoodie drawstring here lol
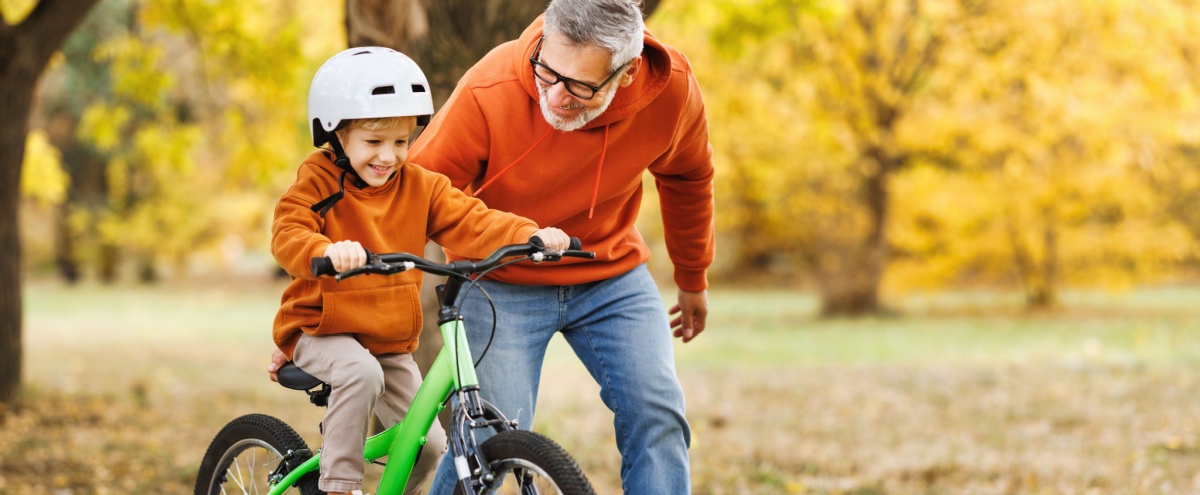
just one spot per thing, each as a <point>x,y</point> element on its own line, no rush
<point>322,207</point>
<point>475,193</point>
<point>595,187</point>
<point>343,162</point>
<point>599,165</point>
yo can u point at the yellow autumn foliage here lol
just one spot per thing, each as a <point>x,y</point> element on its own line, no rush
<point>14,11</point>
<point>42,176</point>
<point>1033,144</point>
<point>1041,144</point>
<point>201,122</point>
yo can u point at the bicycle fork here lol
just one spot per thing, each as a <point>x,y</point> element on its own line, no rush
<point>471,412</point>
<point>468,458</point>
<point>470,463</point>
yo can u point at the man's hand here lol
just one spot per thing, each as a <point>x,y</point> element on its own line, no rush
<point>553,239</point>
<point>277,361</point>
<point>692,310</point>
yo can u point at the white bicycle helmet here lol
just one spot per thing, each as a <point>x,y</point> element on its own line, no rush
<point>366,83</point>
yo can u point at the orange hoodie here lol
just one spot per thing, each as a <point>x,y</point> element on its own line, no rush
<point>490,138</point>
<point>383,311</point>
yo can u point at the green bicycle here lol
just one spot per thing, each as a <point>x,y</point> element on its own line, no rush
<point>258,453</point>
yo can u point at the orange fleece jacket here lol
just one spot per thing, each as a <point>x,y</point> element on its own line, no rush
<point>490,138</point>
<point>384,312</point>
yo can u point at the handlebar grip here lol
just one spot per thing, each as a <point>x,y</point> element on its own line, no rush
<point>322,266</point>
<point>575,243</point>
<point>574,250</point>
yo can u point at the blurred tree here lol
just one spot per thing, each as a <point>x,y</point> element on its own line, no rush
<point>206,94</point>
<point>1050,128</point>
<point>822,97</point>
<point>1167,140</point>
<point>64,95</point>
<point>26,44</point>
<point>869,65</point>
<point>180,122</point>
<point>887,145</point>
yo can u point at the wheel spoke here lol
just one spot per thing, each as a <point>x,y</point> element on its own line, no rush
<point>237,478</point>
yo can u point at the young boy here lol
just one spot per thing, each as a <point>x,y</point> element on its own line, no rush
<point>358,334</point>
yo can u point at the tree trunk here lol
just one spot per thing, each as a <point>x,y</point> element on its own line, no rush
<point>444,37</point>
<point>64,245</point>
<point>876,80</point>
<point>16,90</point>
<point>851,288</point>
<point>1039,279</point>
<point>1044,295</point>
<point>24,51</point>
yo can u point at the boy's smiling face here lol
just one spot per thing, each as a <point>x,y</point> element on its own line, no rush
<point>376,153</point>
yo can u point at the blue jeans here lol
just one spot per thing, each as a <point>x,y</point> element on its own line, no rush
<point>618,328</point>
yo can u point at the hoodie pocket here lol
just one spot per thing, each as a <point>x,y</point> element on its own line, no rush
<point>391,313</point>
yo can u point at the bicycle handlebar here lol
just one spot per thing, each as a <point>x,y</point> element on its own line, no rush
<point>387,264</point>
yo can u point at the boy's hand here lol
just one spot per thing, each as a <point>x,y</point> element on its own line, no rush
<point>277,361</point>
<point>554,239</point>
<point>346,255</point>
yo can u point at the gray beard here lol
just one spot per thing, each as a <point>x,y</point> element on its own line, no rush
<point>576,123</point>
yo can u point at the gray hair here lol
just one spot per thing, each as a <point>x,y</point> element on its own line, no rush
<point>614,25</point>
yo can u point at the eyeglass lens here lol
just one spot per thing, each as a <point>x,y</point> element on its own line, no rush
<point>574,87</point>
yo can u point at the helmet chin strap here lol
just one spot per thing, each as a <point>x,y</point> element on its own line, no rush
<point>343,162</point>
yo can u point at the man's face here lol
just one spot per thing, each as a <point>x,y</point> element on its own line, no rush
<point>566,64</point>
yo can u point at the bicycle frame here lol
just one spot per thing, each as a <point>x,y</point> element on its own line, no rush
<point>452,370</point>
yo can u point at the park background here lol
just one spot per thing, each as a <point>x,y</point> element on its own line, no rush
<point>957,239</point>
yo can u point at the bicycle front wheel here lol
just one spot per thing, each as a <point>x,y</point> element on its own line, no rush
<point>245,453</point>
<point>524,462</point>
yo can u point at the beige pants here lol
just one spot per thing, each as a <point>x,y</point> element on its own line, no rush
<point>362,383</point>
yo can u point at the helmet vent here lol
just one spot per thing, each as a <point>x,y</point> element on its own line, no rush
<point>364,52</point>
<point>417,88</point>
<point>384,90</point>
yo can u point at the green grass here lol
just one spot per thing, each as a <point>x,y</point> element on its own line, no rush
<point>958,393</point>
<point>770,329</point>
<point>745,328</point>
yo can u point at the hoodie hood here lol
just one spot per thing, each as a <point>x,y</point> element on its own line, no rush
<point>651,79</point>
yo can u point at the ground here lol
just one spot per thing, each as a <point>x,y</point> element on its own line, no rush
<point>960,394</point>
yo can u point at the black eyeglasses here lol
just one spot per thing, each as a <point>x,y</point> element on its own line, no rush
<point>579,89</point>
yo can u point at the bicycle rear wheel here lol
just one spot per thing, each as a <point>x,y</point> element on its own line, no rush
<point>244,454</point>
<point>525,462</point>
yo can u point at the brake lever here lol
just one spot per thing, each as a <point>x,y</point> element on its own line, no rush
<point>377,267</point>
<point>350,273</point>
<point>541,256</point>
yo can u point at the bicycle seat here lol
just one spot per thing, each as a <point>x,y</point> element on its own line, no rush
<point>291,376</point>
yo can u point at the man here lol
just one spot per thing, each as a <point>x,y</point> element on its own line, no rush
<point>559,126</point>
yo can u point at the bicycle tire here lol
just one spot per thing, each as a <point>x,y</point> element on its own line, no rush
<point>515,454</point>
<point>234,461</point>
